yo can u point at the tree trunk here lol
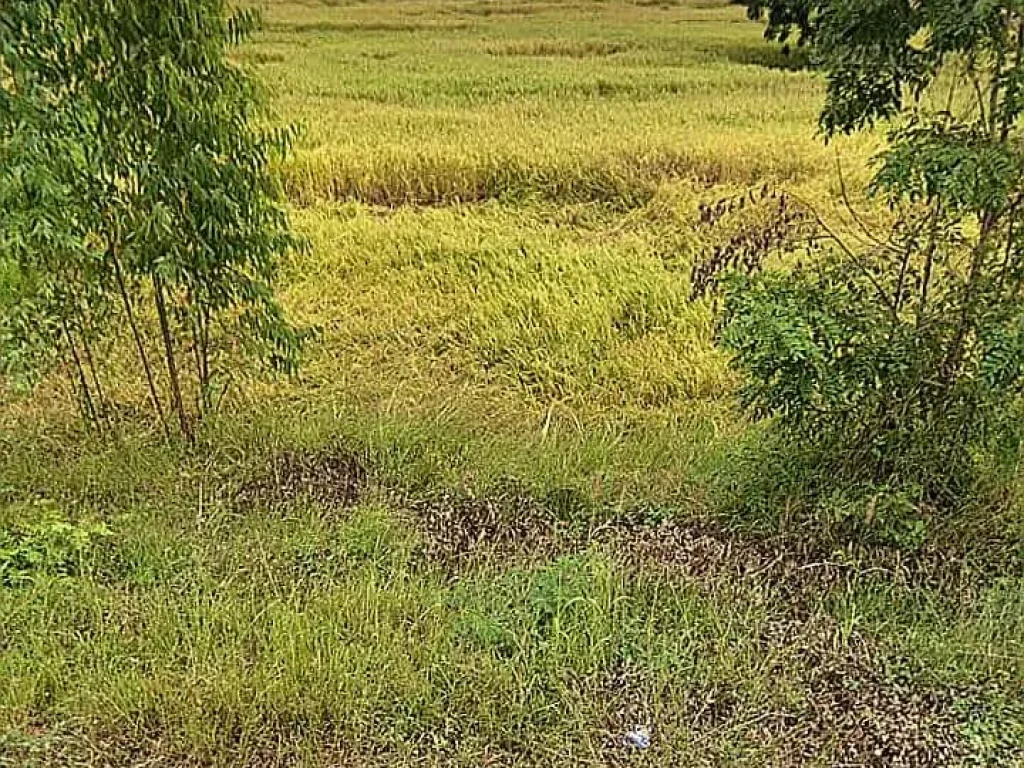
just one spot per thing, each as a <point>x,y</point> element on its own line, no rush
<point>85,403</point>
<point>172,365</point>
<point>139,346</point>
<point>103,412</point>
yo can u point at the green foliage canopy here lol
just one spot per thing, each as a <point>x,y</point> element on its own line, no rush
<point>134,176</point>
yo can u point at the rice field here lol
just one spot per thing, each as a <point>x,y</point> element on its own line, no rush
<point>508,192</point>
<point>490,522</point>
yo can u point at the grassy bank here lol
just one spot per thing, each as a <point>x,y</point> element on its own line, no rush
<point>493,520</point>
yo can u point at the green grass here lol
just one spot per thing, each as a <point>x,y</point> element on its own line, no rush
<point>485,524</point>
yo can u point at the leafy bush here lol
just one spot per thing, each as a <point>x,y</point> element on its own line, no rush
<point>898,354</point>
<point>873,389</point>
<point>52,546</point>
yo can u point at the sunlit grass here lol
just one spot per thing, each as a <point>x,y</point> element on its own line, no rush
<point>575,102</point>
<point>514,296</point>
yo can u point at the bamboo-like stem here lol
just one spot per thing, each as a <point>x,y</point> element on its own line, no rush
<point>140,347</point>
<point>85,403</point>
<point>172,364</point>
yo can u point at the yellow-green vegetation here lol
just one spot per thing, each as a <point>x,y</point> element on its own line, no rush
<point>491,522</point>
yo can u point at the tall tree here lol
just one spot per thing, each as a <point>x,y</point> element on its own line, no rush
<point>135,174</point>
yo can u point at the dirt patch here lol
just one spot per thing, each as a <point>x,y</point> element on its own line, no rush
<point>516,527</point>
<point>871,721</point>
<point>691,548</point>
<point>510,525</point>
<point>798,562</point>
<point>703,552</point>
<point>849,707</point>
<point>332,477</point>
<point>857,709</point>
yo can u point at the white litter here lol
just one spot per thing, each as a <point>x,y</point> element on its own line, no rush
<point>638,738</point>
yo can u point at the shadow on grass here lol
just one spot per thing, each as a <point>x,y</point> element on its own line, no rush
<point>770,56</point>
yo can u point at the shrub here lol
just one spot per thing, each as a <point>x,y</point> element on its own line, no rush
<point>898,355</point>
<point>51,546</point>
